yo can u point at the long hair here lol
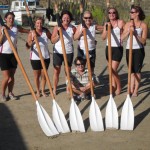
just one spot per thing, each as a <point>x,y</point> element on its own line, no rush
<point>140,11</point>
<point>116,11</point>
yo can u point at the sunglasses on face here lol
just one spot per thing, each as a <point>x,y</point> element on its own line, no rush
<point>132,12</point>
<point>79,64</point>
<point>87,17</point>
<point>112,12</point>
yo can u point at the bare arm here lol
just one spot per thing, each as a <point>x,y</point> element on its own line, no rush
<point>55,36</point>
<point>143,38</point>
<point>78,33</point>
<point>29,42</point>
<point>1,34</point>
<point>104,34</point>
<point>23,30</point>
<point>99,27</point>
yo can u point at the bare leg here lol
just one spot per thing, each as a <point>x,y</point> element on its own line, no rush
<point>56,78</point>
<point>11,81</point>
<point>37,74</point>
<point>137,83</point>
<point>132,83</point>
<point>43,78</point>
<point>115,77</point>
<point>6,77</point>
<point>67,87</point>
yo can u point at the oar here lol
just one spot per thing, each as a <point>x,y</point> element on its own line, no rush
<point>76,121</point>
<point>111,118</point>
<point>127,115</point>
<point>58,116</point>
<point>95,116</point>
<point>43,118</point>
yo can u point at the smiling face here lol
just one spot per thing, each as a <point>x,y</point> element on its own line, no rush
<point>66,19</point>
<point>80,66</point>
<point>112,14</point>
<point>39,24</point>
<point>133,13</point>
<point>9,20</point>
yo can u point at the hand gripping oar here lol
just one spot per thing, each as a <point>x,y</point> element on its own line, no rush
<point>76,121</point>
<point>43,118</point>
<point>111,118</point>
<point>127,114</point>
<point>95,116</point>
<point>58,116</point>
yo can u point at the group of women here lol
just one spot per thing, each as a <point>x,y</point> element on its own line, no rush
<point>119,32</point>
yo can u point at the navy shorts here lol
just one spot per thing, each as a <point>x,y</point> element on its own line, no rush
<point>58,59</point>
<point>36,64</point>
<point>117,53</point>
<point>7,61</point>
<point>137,59</point>
<point>92,53</point>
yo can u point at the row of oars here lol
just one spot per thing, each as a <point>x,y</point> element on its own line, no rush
<point>76,121</point>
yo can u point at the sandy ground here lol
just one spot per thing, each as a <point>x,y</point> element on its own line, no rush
<point>20,130</point>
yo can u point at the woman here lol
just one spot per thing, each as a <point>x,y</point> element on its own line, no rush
<point>8,62</point>
<point>116,45</point>
<point>91,29</point>
<point>140,30</point>
<point>43,35</point>
<point>68,32</point>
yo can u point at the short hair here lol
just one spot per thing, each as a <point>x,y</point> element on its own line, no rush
<point>79,58</point>
<point>117,14</point>
<point>87,12</point>
<point>9,13</point>
<point>38,18</point>
<point>140,11</point>
<point>68,13</point>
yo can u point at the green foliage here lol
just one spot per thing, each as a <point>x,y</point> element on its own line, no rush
<point>98,14</point>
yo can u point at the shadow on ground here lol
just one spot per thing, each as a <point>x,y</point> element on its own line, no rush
<point>10,136</point>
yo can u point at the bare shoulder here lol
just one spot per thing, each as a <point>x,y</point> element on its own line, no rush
<point>144,25</point>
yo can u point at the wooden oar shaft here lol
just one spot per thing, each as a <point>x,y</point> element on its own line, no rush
<point>130,61</point>
<point>65,60</point>
<point>88,61</point>
<point>40,54</point>
<point>44,67</point>
<point>109,58</point>
<point>19,63</point>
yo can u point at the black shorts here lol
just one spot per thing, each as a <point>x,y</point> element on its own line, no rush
<point>117,53</point>
<point>7,61</point>
<point>137,59</point>
<point>92,53</point>
<point>58,59</point>
<point>36,64</point>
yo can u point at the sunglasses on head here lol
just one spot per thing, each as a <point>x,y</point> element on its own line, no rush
<point>87,17</point>
<point>112,12</point>
<point>132,12</point>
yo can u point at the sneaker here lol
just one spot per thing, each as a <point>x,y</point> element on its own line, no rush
<point>77,97</point>
<point>96,79</point>
<point>3,98</point>
<point>12,96</point>
<point>88,97</point>
<point>82,96</point>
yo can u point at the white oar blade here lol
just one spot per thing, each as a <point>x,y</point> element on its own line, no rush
<point>45,121</point>
<point>111,118</point>
<point>59,118</point>
<point>76,121</point>
<point>95,117</point>
<point>127,115</point>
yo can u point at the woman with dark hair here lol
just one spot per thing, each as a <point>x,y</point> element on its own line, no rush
<point>8,61</point>
<point>68,32</point>
<point>43,36</point>
<point>140,30</point>
<point>116,45</point>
